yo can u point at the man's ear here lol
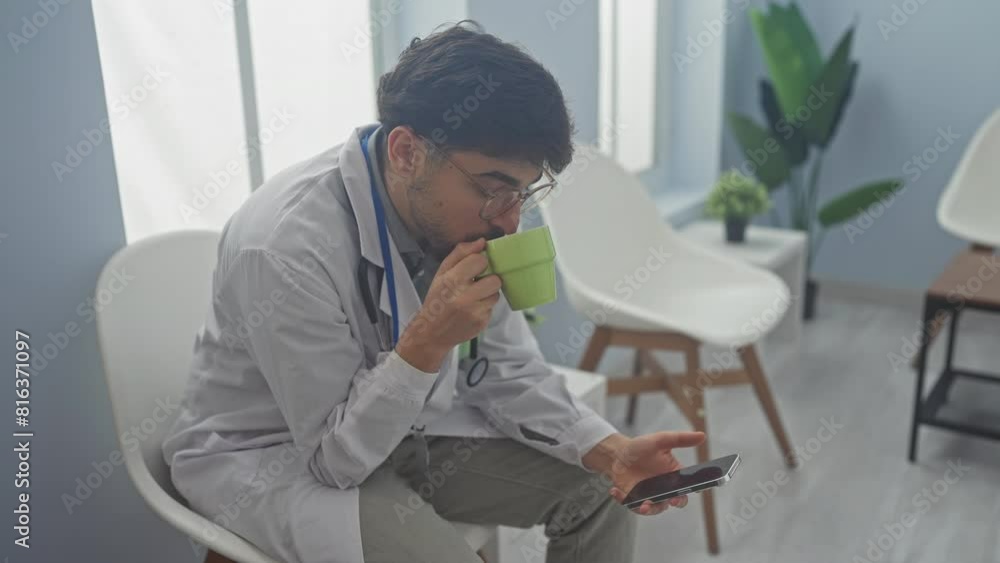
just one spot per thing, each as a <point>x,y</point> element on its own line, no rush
<point>405,151</point>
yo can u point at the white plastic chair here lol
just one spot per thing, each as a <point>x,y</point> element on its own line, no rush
<point>647,288</point>
<point>969,208</point>
<point>146,335</point>
<point>146,332</point>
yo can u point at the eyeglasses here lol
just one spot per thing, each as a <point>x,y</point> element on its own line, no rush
<point>501,201</point>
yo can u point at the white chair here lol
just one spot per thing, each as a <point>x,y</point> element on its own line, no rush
<point>970,206</point>
<point>146,338</point>
<point>647,288</point>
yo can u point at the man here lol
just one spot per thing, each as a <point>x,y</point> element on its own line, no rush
<point>328,416</point>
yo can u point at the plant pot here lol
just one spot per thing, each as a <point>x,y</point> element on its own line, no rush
<point>809,305</point>
<point>736,229</point>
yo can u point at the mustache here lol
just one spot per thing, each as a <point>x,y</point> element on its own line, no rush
<point>440,252</point>
<point>492,233</point>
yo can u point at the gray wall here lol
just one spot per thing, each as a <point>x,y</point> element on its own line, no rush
<point>59,234</point>
<point>939,70</point>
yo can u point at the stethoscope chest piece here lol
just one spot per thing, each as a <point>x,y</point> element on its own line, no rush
<point>477,371</point>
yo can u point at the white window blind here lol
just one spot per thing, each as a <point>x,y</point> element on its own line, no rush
<point>313,70</point>
<point>176,99</point>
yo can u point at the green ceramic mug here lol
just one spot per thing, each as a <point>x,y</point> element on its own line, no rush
<point>525,262</point>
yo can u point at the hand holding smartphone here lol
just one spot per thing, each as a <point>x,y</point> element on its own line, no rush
<point>691,479</point>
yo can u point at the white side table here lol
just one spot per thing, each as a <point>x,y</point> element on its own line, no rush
<point>591,388</point>
<point>782,251</point>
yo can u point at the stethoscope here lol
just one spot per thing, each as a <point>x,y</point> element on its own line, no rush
<point>477,371</point>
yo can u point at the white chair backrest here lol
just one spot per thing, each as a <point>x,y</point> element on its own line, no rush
<point>152,297</point>
<point>600,209</point>
<point>970,206</point>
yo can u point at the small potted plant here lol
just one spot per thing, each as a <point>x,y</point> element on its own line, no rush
<point>735,199</point>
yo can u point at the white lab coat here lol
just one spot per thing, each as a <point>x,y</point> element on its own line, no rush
<point>291,404</point>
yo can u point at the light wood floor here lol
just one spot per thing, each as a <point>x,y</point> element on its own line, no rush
<point>858,482</point>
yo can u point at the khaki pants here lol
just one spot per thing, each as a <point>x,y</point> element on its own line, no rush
<point>405,509</point>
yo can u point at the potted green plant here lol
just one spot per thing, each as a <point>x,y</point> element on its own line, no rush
<point>736,199</point>
<point>803,103</point>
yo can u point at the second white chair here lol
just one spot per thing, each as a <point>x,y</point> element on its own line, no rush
<point>645,287</point>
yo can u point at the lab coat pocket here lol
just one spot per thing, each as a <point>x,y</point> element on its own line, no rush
<point>212,484</point>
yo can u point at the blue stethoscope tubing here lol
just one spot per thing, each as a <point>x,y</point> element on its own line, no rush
<point>479,365</point>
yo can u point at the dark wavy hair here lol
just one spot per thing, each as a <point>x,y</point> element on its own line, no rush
<point>466,89</point>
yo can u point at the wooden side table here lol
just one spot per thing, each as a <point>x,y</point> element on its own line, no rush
<point>971,281</point>
<point>781,251</point>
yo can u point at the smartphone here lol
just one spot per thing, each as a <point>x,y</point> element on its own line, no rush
<point>683,481</point>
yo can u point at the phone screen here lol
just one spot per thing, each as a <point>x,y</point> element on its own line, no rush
<point>683,479</point>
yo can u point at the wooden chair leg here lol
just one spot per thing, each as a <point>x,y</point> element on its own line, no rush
<point>697,399</point>
<point>751,363</point>
<point>599,342</point>
<point>213,557</point>
<point>633,400</point>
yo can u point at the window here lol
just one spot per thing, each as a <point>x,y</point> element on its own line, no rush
<point>661,93</point>
<point>208,99</point>
<point>309,71</point>
<point>628,76</point>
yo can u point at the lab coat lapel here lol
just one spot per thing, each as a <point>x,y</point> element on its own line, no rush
<point>357,182</point>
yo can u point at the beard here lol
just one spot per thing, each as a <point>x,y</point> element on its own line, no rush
<point>437,244</point>
<point>434,238</point>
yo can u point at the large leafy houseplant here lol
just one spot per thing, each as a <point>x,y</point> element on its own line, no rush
<point>803,102</point>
